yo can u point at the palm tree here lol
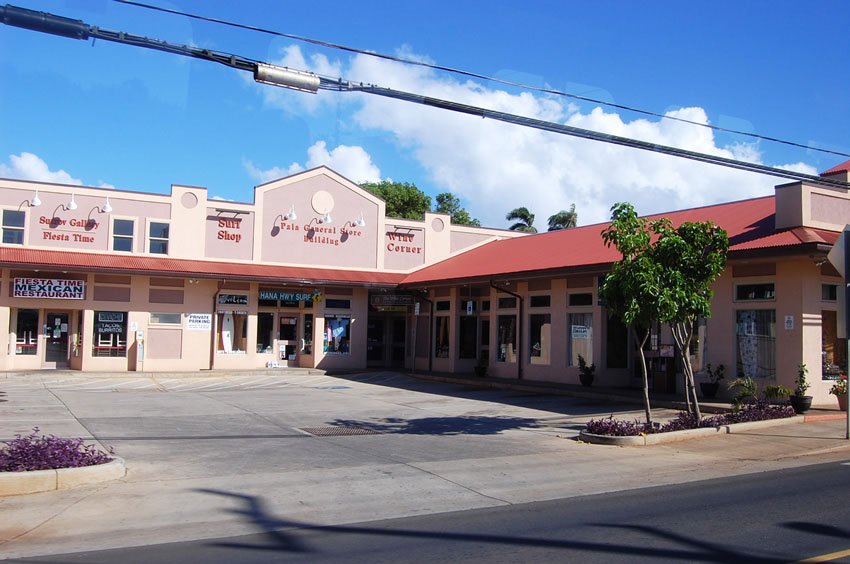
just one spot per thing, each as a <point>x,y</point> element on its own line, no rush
<point>563,219</point>
<point>525,217</point>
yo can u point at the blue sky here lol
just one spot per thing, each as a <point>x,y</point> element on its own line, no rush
<point>123,117</point>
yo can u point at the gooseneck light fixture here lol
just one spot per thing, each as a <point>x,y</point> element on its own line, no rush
<point>107,207</point>
<point>326,218</point>
<point>291,215</point>
<point>72,205</point>
<point>35,201</point>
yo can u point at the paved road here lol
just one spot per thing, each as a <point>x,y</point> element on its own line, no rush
<point>773,517</point>
<point>334,450</point>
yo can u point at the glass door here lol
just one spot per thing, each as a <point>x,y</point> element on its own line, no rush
<point>56,340</point>
<point>287,339</point>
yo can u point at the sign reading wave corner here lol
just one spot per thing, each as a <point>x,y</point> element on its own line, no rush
<point>52,288</point>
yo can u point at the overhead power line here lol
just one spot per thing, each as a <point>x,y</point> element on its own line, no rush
<point>310,82</point>
<point>471,74</point>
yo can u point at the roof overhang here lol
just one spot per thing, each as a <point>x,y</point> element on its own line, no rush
<point>36,259</point>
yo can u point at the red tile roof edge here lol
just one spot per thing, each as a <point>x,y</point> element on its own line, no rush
<point>70,260</point>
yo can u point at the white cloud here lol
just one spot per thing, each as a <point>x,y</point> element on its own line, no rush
<point>28,166</point>
<point>350,161</point>
<point>497,166</point>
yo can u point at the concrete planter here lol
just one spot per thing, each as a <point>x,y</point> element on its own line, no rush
<point>20,483</point>
<point>675,436</point>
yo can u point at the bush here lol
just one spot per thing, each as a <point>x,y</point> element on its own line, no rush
<point>759,411</point>
<point>47,452</point>
<point>619,427</point>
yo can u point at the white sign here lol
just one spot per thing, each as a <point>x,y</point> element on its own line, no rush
<point>580,332</point>
<point>789,322</point>
<point>199,321</point>
<point>416,308</point>
<point>49,288</point>
<point>469,307</point>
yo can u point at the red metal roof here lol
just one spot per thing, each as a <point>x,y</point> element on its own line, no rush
<point>20,257</point>
<point>837,168</point>
<point>749,223</point>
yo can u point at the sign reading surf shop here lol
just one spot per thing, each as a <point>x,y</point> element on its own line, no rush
<point>51,288</point>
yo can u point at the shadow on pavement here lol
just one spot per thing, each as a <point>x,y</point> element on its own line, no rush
<point>282,536</point>
<point>461,425</point>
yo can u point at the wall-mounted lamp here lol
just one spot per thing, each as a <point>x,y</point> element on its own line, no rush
<point>291,215</point>
<point>326,218</point>
<point>35,201</point>
<point>72,205</point>
<point>107,207</point>
<point>359,222</point>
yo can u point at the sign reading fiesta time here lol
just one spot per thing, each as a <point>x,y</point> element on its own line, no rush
<point>49,288</point>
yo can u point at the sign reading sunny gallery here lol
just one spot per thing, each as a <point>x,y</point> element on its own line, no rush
<point>52,288</point>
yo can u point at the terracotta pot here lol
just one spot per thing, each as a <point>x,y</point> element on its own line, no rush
<point>842,402</point>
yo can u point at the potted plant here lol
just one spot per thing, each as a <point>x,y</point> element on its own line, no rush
<point>586,373</point>
<point>839,390</point>
<point>800,401</point>
<point>709,389</point>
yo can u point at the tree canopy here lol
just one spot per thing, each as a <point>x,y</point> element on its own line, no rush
<point>450,204</point>
<point>403,199</point>
<point>407,201</point>
<point>563,219</point>
<point>524,220</point>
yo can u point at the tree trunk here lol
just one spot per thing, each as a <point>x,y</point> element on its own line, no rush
<point>682,334</point>
<point>641,343</point>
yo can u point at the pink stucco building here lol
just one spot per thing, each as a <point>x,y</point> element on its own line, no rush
<point>313,274</point>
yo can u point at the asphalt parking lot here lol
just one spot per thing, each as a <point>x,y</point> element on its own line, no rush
<point>205,453</point>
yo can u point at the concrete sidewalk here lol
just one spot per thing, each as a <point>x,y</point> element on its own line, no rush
<point>205,460</point>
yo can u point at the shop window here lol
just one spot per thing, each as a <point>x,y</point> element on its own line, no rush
<point>122,235</point>
<point>158,238</point>
<point>540,338</point>
<point>167,318</point>
<point>580,337</point>
<point>13,227</point>
<point>485,333</point>
<point>337,339</point>
<point>506,338</point>
<point>829,292</point>
<point>485,305</point>
<point>441,340</point>
<point>540,301</point>
<point>756,343</point>
<point>110,334</point>
<point>288,328</point>
<point>26,331</point>
<point>581,299</point>
<point>265,332</point>
<point>308,333</point>
<point>443,305</point>
<point>232,332</point>
<point>507,303</point>
<point>335,303</point>
<point>753,292</point>
<point>833,350</point>
<point>468,337</point>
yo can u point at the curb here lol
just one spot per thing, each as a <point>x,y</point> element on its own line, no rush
<point>35,481</point>
<point>676,436</point>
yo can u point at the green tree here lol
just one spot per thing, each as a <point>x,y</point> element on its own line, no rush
<point>403,199</point>
<point>524,220</point>
<point>563,219</point>
<point>633,287</point>
<point>450,204</point>
<point>691,256</point>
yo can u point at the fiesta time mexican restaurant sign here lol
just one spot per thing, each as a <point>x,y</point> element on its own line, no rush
<point>49,288</point>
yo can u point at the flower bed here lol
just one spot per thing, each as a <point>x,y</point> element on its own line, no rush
<point>759,411</point>
<point>48,452</point>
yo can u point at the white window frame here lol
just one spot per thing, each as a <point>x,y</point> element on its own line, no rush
<point>112,234</point>
<point>149,239</point>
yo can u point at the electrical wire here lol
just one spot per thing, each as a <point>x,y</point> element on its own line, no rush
<point>476,75</point>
